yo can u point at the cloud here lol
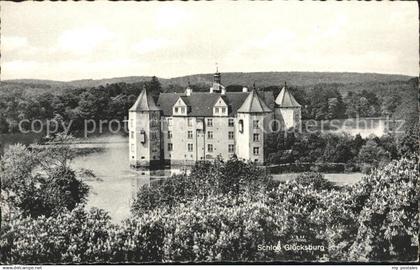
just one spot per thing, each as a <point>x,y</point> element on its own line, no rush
<point>10,43</point>
<point>150,44</point>
<point>83,40</point>
<point>184,38</point>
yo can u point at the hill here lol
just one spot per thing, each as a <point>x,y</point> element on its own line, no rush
<point>230,78</point>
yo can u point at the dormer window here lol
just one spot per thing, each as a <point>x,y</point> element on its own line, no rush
<point>220,107</point>
<point>180,107</point>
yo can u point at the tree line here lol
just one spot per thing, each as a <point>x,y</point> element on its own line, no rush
<point>112,101</point>
<point>356,153</point>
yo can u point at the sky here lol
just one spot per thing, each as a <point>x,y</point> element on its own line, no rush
<point>93,40</point>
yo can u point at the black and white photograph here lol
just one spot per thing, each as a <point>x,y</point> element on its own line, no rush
<point>209,132</point>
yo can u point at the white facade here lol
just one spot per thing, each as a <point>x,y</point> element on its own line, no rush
<point>194,127</point>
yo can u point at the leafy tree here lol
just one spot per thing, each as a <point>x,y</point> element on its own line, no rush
<point>231,178</point>
<point>4,124</point>
<point>372,155</point>
<point>388,218</point>
<point>40,183</point>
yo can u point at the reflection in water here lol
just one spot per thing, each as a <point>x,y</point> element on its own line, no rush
<point>118,184</point>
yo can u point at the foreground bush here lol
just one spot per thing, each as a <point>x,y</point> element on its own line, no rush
<point>37,183</point>
<point>231,178</point>
<point>375,219</point>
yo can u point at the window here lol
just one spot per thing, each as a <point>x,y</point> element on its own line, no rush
<point>275,126</point>
<point>209,134</point>
<point>216,110</point>
<point>182,109</point>
<point>190,147</point>
<point>231,135</point>
<point>153,136</point>
<point>256,137</point>
<point>132,135</point>
<point>189,122</point>
<point>223,110</point>
<point>169,121</point>
<point>241,126</point>
<point>190,134</point>
<point>210,148</point>
<point>170,147</point>
<point>142,136</point>
<point>231,122</point>
<point>256,151</point>
<point>169,134</point>
<point>231,148</point>
<point>209,122</point>
<point>176,109</point>
<point>256,123</point>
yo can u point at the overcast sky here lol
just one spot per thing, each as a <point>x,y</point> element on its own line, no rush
<point>74,40</point>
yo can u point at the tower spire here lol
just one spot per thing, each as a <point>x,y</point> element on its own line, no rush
<point>217,76</point>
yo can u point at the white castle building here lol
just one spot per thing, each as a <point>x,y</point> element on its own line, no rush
<point>182,128</point>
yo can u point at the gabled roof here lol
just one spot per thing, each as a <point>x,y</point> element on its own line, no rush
<point>224,101</point>
<point>185,100</point>
<point>286,99</point>
<point>144,103</point>
<point>254,104</point>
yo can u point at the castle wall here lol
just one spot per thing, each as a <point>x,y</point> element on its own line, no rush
<point>200,139</point>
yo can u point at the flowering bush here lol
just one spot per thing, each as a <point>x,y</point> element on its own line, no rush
<point>207,179</point>
<point>376,219</point>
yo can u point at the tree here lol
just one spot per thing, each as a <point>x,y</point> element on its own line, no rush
<point>388,214</point>
<point>4,124</point>
<point>372,155</point>
<point>40,183</point>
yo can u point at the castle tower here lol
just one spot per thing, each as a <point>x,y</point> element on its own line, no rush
<point>217,86</point>
<point>144,128</point>
<point>250,128</point>
<point>287,110</point>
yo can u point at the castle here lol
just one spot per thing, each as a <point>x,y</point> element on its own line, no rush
<point>182,128</point>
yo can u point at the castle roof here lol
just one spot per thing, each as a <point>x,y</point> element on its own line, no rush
<point>286,99</point>
<point>144,103</point>
<point>201,103</point>
<point>254,104</point>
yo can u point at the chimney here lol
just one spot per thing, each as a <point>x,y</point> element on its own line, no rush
<point>245,89</point>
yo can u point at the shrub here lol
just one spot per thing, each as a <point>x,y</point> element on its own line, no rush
<point>374,220</point>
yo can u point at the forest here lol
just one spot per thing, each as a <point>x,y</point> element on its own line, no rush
<point>19,101</point>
